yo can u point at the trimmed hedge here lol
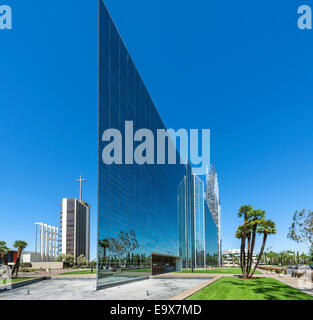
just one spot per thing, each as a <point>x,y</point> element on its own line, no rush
<point>25,265</point>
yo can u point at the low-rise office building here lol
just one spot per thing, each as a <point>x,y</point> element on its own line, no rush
<point>46,244</point>
<point>231,257</point>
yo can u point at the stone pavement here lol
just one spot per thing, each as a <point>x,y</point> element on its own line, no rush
<point>171,286</point>
<point>152,289</point>
<point>75,276</point>
<point>185,276</point>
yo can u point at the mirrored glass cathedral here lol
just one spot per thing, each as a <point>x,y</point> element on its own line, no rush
<point>154,218</point>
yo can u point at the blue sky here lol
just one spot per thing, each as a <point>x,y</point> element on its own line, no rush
<point>242,69</point>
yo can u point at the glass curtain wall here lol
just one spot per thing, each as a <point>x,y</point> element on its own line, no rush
<point>137,204</point>
<point>142,221</point>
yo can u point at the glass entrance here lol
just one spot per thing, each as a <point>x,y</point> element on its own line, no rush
<point>163,264</point>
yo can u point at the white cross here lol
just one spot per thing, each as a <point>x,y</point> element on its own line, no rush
<point>80,180</point>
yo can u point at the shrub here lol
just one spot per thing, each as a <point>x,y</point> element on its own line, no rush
<point>93,264</point>
<point>68,260</point>
<point>298,274</point>
<point>277,270</point>
<point>25,265</point>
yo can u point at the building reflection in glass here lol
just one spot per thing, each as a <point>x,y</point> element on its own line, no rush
<point>197,229</point>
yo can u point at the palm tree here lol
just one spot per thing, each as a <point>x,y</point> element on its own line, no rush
<point>304,258</point>
<point>298,257</point>
<point>248,231</point>
<point>242,233</point>
<point>290,255</point>
<point>104,244</point>
<point>256,219</point>
<point>266,228</point>
<point>265,258</point>
<point>282,258</point>
<point>3,251</point>
<point>293,257</point>
<point>20,245</point>
<point>270,256</point>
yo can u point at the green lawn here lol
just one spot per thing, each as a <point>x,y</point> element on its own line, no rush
<point>139,270</point>
<point>19,279</point>
<point>229,288</point>
<point>218,271</point>
<point>29,270</point>
<point>80,272</point>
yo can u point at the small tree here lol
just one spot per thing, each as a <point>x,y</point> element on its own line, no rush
<point>82,261</point>
<point>301,229</point>
<point>93,264</point>
<point>20,245</point>
<point>3,251</point>
<point>123,244</point>
<point>60,258</point>
<point>67,259</point>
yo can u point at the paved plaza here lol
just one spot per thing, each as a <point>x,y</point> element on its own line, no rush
<point>84,289</point>
<point>170,286</point>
